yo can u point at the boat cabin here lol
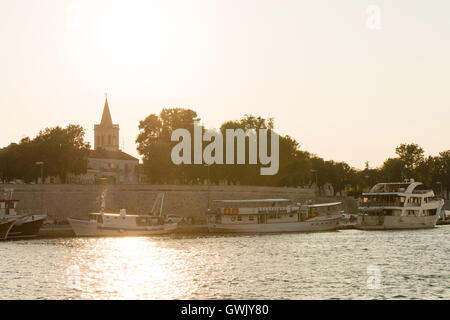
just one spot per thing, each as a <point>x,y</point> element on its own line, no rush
<point>400,199</point>
<point>8,207</point>
<point>123,219</point>
<point>261,211</point>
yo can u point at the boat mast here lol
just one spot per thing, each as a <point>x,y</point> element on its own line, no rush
<point>103,202</point>
<point>161,207</point>
<point>159,197</point>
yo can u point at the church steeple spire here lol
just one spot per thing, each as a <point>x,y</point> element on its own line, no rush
<point>106,133</point>
<point>106,116</point>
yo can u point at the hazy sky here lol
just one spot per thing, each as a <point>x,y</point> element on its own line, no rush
<point>345,92</point>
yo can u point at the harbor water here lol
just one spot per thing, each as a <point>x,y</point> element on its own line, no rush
<point>346,264</point>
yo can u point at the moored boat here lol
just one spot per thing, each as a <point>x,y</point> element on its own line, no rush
<point>122,224</point>
<point>405,205</point>
<point>272,216</point>
<point>27,225</point>
<point>5,226</point>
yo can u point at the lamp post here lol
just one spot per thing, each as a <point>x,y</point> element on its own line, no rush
<point>41,163</point>
<point>208,165</point>
<point>367,181</point>
<point>440,184</point>
<point>317,184</point>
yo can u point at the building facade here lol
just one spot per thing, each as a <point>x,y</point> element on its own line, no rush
<point>107,163</point>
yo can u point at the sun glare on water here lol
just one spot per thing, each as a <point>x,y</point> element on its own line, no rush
<point>127,268</point>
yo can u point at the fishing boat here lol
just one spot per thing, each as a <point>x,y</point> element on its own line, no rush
<point>405,205</point>
<point>27,225</point>
<point>5,226</point>
<point>122,224</point>
<point>272,216</point>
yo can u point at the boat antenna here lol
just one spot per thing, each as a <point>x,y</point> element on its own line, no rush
<point>162,203</point>
<point>103,202</point>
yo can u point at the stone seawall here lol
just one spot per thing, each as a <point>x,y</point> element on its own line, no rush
<point>66,200</point>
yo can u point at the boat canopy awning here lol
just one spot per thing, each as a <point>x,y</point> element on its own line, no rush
<point>381,193</point>
<point>330,204</point>
<point>253,200</point>
<point>375,208</point>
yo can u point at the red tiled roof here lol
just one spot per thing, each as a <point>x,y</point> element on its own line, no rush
<point>105,154</point>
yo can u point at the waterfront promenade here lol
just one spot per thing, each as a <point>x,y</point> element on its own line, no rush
<point>60,201</point>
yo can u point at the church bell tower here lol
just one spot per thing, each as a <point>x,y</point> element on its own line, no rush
<point>106,133</point>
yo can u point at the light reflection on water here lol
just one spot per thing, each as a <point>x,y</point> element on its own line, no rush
<point>331,265</point>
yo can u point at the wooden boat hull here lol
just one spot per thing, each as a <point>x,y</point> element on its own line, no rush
<point>87,228</point>
<point>328,223</point>
<point>27,228</point>
<point>5,227</point>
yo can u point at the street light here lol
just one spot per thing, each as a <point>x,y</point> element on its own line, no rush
<point>440,184</point>
<point>317,184</point>
<point>208,165</point>
<point>367,180</point>
<point>41,163</point>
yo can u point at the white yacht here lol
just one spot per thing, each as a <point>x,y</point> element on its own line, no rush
<point>272,215</point>
<point>122,224</point>
<point>407,205</point>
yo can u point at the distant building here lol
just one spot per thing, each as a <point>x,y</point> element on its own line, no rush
<point>106,133</point>
<point>107,163</point>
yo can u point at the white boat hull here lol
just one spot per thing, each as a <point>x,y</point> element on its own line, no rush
<point>395,222</point>
<point>89,228</point>
<point>328,223</point>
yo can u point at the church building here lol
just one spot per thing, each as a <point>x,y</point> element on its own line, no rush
<point>107,163</point>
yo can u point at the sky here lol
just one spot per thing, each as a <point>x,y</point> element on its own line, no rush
<point>344,91</point>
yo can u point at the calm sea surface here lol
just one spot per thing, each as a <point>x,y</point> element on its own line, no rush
<point>348,264</point>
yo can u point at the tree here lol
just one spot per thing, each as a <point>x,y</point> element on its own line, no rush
<point>155,145</point>
<point>393,170</point>
<point>412,156</point>
<point>442,171</point>
<point>63,150</point>
<point>244,173</point>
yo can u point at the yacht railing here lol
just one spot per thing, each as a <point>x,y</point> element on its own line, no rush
<point>382,204</point>
<point>413,204</point>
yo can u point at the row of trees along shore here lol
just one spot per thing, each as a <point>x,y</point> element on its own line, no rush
<point>64,151</point>
<point>297,167</point>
